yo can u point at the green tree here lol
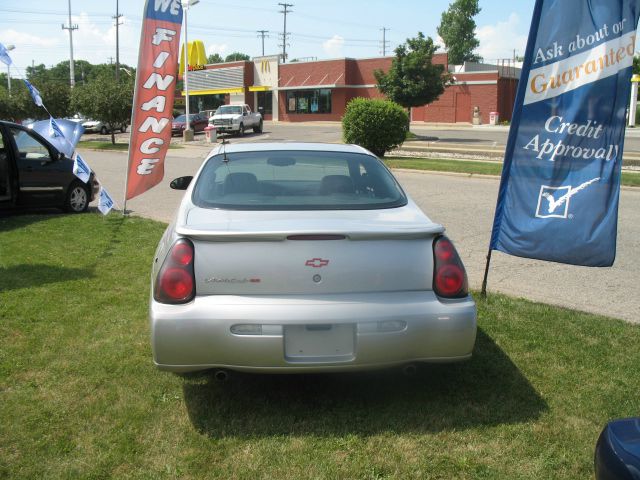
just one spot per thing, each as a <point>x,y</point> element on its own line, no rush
<point>413,79</point>
<point>55,96</point>
<point>12,107</point>
<point>457,30</point>
<point>375,124</point>
<point>83,70</point>
<point>106,100</point>
<point>215,58</point>
<point>236,57</point>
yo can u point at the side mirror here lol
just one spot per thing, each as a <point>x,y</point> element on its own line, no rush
<point>181,183</point>
<point>60,156</point>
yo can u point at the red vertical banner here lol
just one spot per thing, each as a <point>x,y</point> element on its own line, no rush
<point>154,95</point>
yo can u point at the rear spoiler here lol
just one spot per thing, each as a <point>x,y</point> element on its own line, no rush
<point>209,235</point>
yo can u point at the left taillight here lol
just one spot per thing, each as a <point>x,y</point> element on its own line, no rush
<point>449,275</point>
<point>176,281</point>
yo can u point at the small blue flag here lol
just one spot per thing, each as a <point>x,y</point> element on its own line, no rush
<point>80,168</point>
<point>54,129</point>
<point>105,202</point>
<point>4,55</point>
<point>35,94</point>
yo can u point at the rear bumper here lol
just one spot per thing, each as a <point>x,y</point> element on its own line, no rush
<point>369,330</point>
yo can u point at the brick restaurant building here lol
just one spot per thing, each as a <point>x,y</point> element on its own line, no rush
<point>320,90</point>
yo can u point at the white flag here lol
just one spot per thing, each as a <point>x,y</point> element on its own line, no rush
<point>80,168</point>
<point>4,55</point>
<point>54,129</point>
<point>35,94</point>
<point>105,202</point>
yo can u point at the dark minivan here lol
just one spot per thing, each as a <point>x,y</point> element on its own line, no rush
<point>35,173</point>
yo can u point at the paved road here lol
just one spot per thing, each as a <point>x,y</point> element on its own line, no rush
<point>331,132</point>
<point>465,206</point>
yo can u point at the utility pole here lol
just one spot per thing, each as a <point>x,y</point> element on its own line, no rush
<point>384,41</point>
<point>117,18</point>
<point>284,34</point>
<point>71,28</point>
<point>263,33</point>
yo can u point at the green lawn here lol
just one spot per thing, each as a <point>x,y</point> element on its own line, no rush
<point>631,179</point>
<point>80,398</point>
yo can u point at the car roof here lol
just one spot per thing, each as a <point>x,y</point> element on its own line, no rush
<point>11,124</point>
<point>288,146</point>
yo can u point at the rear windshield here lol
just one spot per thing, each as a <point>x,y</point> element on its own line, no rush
<point>296,180</point>
<point>225,110</point>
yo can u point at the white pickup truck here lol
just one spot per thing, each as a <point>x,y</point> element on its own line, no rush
<point>236,119</point>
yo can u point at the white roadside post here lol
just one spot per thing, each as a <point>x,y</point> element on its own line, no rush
<point>634,100</point>
<point>187,135</point>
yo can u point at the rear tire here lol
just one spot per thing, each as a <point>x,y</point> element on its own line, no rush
<point>77,200</point>
<point>123,129</point>
<point>258,129</point>
<point>103,130</point>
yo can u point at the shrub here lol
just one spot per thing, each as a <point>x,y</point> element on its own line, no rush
<point>377,125</point>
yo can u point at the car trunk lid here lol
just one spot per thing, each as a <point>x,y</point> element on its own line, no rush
<point>267,252</point>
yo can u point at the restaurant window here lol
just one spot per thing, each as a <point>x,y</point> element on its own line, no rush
<point>309,101</point>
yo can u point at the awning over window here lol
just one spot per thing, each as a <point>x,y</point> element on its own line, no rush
<point>218,91</point>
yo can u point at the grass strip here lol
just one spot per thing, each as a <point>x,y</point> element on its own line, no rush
<point>629,179</point>
<point>80,398</point>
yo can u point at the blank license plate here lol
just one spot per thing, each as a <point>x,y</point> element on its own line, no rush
<point>319,343</point>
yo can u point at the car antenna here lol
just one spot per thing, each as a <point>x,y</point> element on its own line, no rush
<point>224,150</point>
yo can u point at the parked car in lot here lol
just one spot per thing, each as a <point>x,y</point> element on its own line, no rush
<point>236,119</point>
<point>96,126</point>
<point>298,257</point>
<point>77,118</point>
<point>197,121</point>
<point>35,173</point>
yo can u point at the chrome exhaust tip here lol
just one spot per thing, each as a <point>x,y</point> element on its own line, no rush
<point>221,376</point>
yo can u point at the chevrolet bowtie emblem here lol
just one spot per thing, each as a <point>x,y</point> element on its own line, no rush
<point>317,262</point>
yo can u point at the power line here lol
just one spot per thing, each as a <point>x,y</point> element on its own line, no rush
<point>284,33</point>
<point>35,12</point>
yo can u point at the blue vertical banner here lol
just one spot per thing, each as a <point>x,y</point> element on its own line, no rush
<point>558,197</point>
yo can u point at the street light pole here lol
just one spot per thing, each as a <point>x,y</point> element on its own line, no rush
<point>9,48</point>
<point>188,133</point>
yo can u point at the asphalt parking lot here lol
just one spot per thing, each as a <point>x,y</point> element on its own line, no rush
<point>465,205</point>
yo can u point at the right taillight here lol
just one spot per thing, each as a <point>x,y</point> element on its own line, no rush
<point>449,276</point>
<point>176,280</point>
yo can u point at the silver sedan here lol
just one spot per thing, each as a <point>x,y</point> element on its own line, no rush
<point>296,257</point>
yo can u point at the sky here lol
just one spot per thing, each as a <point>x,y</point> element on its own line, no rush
<point>319,29</point>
